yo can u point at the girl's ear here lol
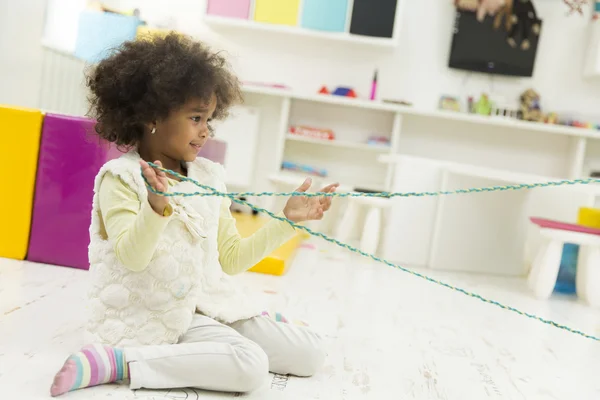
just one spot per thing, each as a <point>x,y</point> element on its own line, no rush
<point>151,127</point>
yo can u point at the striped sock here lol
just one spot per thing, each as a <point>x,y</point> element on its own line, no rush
<point>93,365</point>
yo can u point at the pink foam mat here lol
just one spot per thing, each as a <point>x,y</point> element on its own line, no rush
<point>70,157</point>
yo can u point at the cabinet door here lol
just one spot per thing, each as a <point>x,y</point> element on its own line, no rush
<point>282,12</point>
<point>240,132</point>
<point>325,15</point>
<point>373,18</point>
<point>229,8</point>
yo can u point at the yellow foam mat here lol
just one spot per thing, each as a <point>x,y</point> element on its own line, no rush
<point>282,12</point>
<point>278,261</point>
<point>20,131</point>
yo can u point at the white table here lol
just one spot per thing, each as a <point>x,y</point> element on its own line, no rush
<point>478,232</point>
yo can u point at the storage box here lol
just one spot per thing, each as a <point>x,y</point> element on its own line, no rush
<point>325,15</point>
<point>229,8</point>
<point>282,12</point>
<point>100,32</point>
<point>374,18</point>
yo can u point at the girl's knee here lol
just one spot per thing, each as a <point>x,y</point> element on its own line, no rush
<point>254,366</point>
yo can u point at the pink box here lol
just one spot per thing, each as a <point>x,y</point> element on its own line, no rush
<point>229,8</point>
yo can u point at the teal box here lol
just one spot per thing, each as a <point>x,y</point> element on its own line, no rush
<point>100,32</point>
<point>325,15</point>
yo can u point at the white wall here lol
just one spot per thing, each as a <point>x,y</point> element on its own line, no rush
<point>21,24</point>
<point>415,71</point>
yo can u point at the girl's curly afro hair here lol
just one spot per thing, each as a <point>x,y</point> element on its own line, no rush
<point>144,80</point>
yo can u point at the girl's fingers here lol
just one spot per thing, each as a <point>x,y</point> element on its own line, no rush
<point>151,176</point>
<point>327,189</point>
<point>158,171</point>
<point>326,201</point>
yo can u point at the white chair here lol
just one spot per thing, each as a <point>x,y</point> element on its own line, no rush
<point>374,206</point>
<point>546,264</point>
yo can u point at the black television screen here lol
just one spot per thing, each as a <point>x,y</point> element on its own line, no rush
<point>477,46</point>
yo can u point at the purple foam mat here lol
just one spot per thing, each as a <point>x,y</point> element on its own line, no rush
<point>70,157</point>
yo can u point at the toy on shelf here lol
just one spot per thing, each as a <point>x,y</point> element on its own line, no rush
<point>449,103</point>
<point>498,111</point>
<point>374,87</point>
<point>313,133</point>
<point>345,92</point>
<point>383,141</point>
<point>306,169</point>
<point>483,105</point>
<point>398,102</point>
<point>502,108</point>
<point>339,91</point>
<point>530,106</point>
<point>551,118</point>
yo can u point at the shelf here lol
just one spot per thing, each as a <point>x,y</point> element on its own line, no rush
<point>437,114</point>
<point>502,122</point>
<point>295,179</point>
<point>321,98</point>
<point>222,23</point>
<point>493,174</point>
<point>338,143</point>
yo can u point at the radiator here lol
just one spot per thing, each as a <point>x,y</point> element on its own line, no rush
<point>63,84</point>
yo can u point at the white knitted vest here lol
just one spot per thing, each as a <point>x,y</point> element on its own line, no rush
<point>156,306</point>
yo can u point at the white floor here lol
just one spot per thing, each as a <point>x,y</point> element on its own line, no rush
<point>390,336</point>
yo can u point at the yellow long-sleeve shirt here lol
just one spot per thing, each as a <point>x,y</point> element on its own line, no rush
<point>136,231</point>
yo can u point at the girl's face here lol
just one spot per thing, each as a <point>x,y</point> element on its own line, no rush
<point>182,134</point>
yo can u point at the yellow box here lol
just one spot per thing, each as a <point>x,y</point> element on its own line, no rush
<point>589,217</point>
<point>20,132</point>
<point>278,261</point>
<point>281,12</point>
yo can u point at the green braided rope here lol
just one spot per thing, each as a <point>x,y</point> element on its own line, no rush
<point>387,195</point>
<point>233,197</point>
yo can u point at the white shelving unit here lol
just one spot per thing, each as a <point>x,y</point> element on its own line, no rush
<point>441,150</point>
<point>338,143</point>
<point>231,24</point>
<point>249,26</point>
<point>395,122</point>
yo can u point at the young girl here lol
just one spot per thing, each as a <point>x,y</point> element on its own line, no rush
<point>164,312</point>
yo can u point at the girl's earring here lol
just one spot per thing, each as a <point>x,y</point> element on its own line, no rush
<point>153,131</point>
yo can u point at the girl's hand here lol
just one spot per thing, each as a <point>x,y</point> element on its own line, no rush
<point>302,208</point>
<point>158,180</point>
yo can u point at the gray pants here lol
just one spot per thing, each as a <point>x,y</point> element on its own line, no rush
<point>234,358</point>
